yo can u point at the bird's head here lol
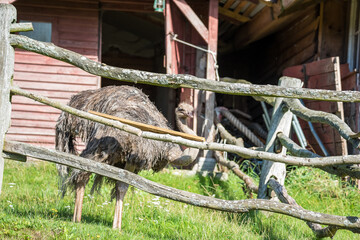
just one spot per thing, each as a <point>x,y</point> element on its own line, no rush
<point>184,110</point>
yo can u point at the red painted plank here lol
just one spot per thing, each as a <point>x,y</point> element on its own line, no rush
<point>75,28</point>
<point>23,100</point>
<point>31,138</point>
<point>44,11</point>
<point>33,58</point>
<point>32,123</point>
<point>69,80</point>
<point>32,131</point>
<point>295,71</point>
<point>65,70</point>
<point>319,67</point>
<point>38,116</point>
<point>22,56</point>
<point>79,36</point>
<point>53,86</point>
<point>34,108</point>
<point>90,23</point>
<point>56,94</point>
<point>78,44</point>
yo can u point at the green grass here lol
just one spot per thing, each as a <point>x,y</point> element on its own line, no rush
<point>30,208</point>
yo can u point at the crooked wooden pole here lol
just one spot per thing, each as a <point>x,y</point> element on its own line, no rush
<point>280,122</point>
<point>7,56</point>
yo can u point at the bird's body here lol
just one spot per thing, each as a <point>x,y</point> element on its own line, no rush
<point>109,145</point>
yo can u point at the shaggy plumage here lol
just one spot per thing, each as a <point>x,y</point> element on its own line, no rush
<point>112,146</point>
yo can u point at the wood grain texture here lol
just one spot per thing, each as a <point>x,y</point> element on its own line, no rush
<point>74,26</point>
<point>280,122</point>
<point>8,16</point>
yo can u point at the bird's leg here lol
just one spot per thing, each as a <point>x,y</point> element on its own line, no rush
<point>79,197</point>
<point>120,191</point>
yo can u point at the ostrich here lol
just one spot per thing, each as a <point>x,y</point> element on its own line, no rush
<point>114,147</point>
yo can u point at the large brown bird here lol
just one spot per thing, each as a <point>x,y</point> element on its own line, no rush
<point>114,147</point>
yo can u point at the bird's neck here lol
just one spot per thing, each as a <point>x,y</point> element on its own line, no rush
<point>181,124</point>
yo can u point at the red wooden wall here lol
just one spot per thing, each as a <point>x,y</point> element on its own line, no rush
<point>75,26</point>
<point>327,74</point>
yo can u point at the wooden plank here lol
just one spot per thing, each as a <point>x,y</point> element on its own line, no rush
<point>150,128</point>
<point>32,131</point>
<point>34,108</point>
<point>340,105</point>
<point>236,17</point>
<point>228,4</point>
<point>319,67</point>
<point>23,100</point>
<point>30,123</point>
<point>128,7</point>
<point>55,94</point>
<point>55,78</point>
<point>65,70</point>
<point>78,44</point>
<point>263,24</point>
<point>14,156</point>
<point>8,15</point>
<point>79,36</point>
<point>280,122</point>
<point>193,18</point>
<point>210,70</point>
<point>249,10</point>
<point>334,34</point>
<point>31,139</point>
<point>53,86</point>
<point>44,11</point>
<point>294,71</point>
<point>60,4</point>
<point>240,7</point>
<point>37,116</point>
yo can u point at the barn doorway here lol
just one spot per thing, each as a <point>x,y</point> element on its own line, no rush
<point>136,40</point>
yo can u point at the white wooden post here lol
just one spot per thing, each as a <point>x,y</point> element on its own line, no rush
<point>7,16</point>
<point>280,122</point>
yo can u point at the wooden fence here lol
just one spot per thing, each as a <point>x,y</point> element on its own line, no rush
<point>286,103</point>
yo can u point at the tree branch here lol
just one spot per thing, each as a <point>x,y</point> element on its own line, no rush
<point>339,170</point>
<point>177,81</point>
<point>243,152</point>
<point>234,167</point>
<point>284,197</point>
<point>334,121</point>
<point>236,206</point>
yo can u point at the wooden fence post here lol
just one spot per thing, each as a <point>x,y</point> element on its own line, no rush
<point>280,122</point>
<point>7,16</point>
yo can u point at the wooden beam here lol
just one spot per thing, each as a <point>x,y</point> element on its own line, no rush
<point>228,4</point>
<point>169,44</point>
<point>263,24</point>
<point>7,56</point>
<point>280,122</point>
<point>249,10</point>
<point>210,69</point>
<point>193,19</point>
<point>236,17</point>
<point>240,6</point>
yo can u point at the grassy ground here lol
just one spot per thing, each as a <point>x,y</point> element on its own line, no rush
<point>30,208</point>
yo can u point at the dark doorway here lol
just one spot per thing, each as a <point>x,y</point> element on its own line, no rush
<point>137,41</point>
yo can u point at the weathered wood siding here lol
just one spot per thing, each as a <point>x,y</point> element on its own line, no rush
<point>75,27</point>
<point>324,74</point>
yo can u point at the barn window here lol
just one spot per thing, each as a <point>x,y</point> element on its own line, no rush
<point>42,31</point>
<point>354,36</point>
